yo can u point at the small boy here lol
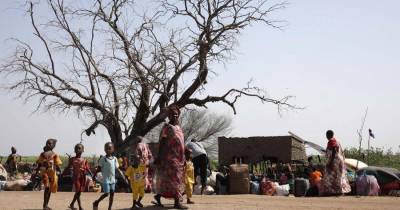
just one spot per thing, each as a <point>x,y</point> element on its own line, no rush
<point>107,165</point>
<point>189,176</point>
<point>136,173</point>
<point>49,164</point>
<point>80,167</point>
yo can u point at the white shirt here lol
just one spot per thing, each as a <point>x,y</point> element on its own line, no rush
<point>197,149</point>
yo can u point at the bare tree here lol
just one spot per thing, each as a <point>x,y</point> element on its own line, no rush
<point>202,125</point>
<point>121,63</point>
<point>205,127</point>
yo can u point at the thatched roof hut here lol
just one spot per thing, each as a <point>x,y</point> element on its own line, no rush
<point>284,149</point>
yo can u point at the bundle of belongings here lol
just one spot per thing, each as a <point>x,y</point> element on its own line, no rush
<point>268,187</point>
<point>20,183</point>
<point>3,173</point>
<point>211,185</point>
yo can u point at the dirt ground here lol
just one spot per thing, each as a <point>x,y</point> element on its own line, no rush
<point>59,201</point>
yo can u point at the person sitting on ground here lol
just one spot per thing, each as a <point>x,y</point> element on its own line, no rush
<point>315,177</point>
<point>189,175</point>
<point>49,164</point>
<point>200,161</point>
<point>107,165</point>
<point>12,162</point>
<point>80,167</point>
<point>136,175</point>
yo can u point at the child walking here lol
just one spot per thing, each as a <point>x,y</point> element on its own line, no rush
<point>136,173</point>
<point>80,167</point>
<point>189,176</point>
<point>107,165</point>
<point>48,164</point>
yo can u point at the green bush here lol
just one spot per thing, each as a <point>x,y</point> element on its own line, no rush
<point>377,157</point>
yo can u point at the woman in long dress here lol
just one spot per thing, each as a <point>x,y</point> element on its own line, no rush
<point>334,180</point>
<point>170,161</point>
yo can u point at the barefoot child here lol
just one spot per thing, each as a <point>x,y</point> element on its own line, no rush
<point>12,162</point>
<point>189,175</point>
<point>136,173</point>
<point>48,163</point>
<point>80,167</point>
<point>107,165</point>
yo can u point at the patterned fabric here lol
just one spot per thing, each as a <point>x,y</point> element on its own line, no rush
<point>334,181</point>
<point>170,171</point>
<point>268,187</point>
<point>79,168</point>
<point>48,162</point>
<point>144,153</point>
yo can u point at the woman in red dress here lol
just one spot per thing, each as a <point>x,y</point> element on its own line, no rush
<point>170,161</point>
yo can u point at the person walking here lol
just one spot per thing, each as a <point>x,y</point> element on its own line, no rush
<point>334,180</point>
<point>170,161</point>
<point>200,161</point>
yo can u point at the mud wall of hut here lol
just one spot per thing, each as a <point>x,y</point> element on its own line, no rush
<point>255,149</point>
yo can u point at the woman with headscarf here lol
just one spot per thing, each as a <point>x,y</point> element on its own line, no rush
<point>171,161</point>
<point>334,180</point>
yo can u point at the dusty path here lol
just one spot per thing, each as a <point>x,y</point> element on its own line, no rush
<point>59,201</point>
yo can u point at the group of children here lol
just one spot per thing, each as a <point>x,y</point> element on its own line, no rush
<point>49,165</point>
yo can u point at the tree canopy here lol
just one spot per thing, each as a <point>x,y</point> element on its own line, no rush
<point>121,63</point>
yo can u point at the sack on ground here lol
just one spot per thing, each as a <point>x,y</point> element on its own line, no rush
<point>282,190</point>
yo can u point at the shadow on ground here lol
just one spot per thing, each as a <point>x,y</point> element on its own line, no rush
<point>146,208</point>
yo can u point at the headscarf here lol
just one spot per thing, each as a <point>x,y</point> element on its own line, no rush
<point>174,108</point>
<point>332,143</point>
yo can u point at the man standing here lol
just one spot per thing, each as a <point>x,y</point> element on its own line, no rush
<point>12,162</point>
<point>200,161</point>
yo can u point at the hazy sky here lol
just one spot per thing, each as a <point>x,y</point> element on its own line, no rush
<point>336,57</point>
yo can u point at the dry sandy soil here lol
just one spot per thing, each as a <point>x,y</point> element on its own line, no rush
<point>59,201</point>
